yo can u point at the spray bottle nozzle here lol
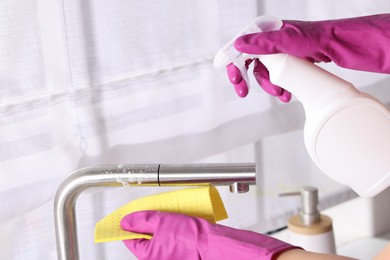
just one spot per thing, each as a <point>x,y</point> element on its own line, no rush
<point>228,54</point>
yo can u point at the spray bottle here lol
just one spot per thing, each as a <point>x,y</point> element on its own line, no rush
<point>346,132</point>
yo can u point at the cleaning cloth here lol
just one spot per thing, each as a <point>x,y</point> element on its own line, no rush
<point>204,202</point>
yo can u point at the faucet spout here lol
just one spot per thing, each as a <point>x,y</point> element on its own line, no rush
<point>234,175</point>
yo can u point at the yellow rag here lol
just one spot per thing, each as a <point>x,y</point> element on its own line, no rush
<point>202,202</point>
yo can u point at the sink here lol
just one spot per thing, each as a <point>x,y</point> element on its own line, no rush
<point>364,248</point>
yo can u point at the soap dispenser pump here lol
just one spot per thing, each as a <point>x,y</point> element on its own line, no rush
<point>309,229</point>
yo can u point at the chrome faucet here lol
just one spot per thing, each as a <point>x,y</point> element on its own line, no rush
<point>237,176</point>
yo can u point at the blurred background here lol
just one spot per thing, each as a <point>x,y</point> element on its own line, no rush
<point>91,82</point>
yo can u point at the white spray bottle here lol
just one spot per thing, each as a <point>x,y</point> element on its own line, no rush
<point>346,132</point>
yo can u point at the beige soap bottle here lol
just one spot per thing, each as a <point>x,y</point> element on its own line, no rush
<point>309,229</point>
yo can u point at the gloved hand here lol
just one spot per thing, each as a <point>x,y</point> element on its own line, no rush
<point>361,43</point>
<point>177,236</point>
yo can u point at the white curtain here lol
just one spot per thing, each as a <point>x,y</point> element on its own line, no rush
<point>85,83</point>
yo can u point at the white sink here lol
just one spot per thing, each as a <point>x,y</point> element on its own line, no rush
<point>364,248</point>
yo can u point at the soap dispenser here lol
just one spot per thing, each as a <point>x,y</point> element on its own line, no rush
<point>309,229</point>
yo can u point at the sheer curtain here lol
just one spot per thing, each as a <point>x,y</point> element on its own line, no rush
<point>85,83</point>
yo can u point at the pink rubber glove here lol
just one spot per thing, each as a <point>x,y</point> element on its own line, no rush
<point>361,43</point>
<point>177,236</point>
